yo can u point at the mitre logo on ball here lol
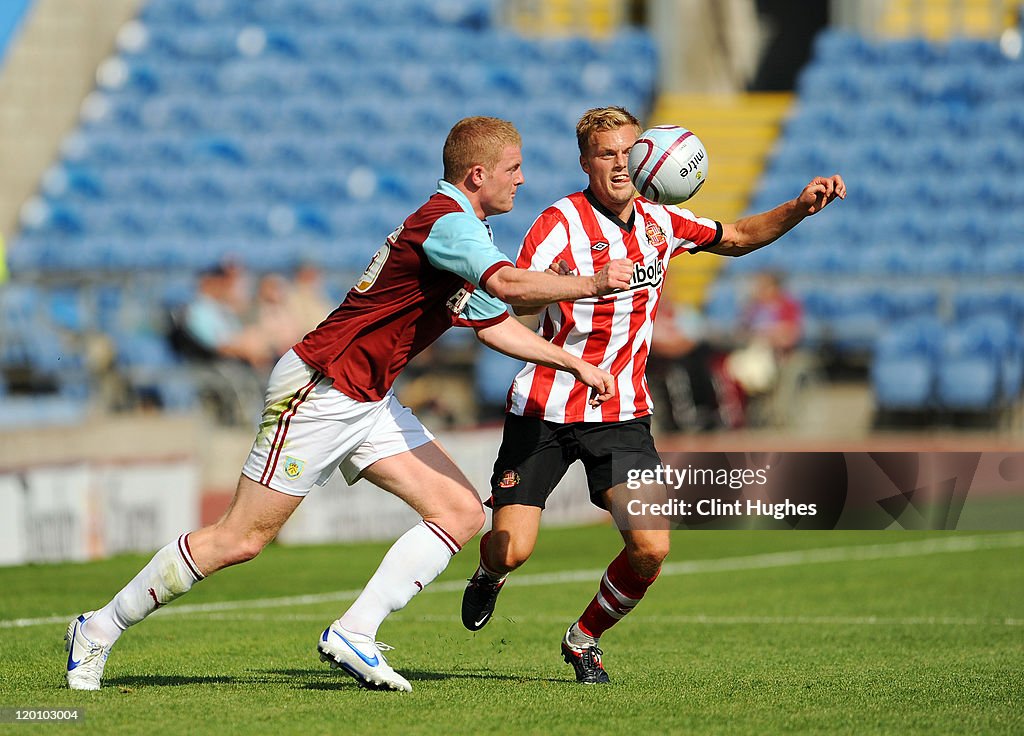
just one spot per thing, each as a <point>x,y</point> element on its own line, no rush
<point>668,164</point>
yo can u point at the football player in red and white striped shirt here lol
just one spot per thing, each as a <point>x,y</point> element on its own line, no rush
<point>550,423</point>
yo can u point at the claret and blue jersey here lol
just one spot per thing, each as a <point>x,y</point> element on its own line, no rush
<point>428,276</point>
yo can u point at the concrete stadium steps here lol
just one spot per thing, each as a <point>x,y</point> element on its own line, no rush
<point>49,69</point>
<point>590,17</point>
<point>738,132</point>
<point>943,19</point>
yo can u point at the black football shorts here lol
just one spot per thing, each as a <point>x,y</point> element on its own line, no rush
<point>535,454</point>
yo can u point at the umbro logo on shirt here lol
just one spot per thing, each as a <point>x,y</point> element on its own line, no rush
<point>599,246</point>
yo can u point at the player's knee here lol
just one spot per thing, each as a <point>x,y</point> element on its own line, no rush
<point>238,548</point>
<point>463,519</point>
<point>243,550</point>
<point>647,555</point>
<point>507,555</point>
<point>515,558</point>
<point>250,548</point>
<point>473,523</point>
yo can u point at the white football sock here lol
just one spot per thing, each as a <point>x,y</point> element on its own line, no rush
<point>494,577</point>
<point>578,639</point>
<point>419,556</point>
<point>169,575</point>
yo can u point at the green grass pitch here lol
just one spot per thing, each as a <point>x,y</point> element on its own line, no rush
<point>745,633</point>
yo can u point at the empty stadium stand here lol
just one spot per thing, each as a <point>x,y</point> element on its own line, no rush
<point>277,132</point>
<point>930,139</point>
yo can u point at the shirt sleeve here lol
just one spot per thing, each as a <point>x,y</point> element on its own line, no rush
<point>482,310</point>
<point>693,234</point>
<point>459,242</point>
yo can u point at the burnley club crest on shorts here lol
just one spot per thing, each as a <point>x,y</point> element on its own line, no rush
<point>509,479</point>
<point>293,467</point>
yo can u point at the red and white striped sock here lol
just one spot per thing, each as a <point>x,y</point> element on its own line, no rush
<point>419,556</point>
<point>621,589</point>
<point>170,574</point>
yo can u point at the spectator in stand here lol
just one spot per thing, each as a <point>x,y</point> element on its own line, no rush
<point>308,301</point>
<point>770,328</point>
<point>276,318</point>
<point>213,324</point>
<point>773,315</point>
<point>679,368</point>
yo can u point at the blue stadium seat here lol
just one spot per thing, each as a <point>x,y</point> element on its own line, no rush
<point>922,335</point>
<point>196,44</point>
<point>912,300</point>
<point>66,310</point>
<point>1003,259</point>
<point>191,12</point>
<point>144,351</point>
<point>903,382</point>
<point>857,315</point>
<point>271,13</point>
<point>175,392</point>
<point>20,306</point>
<point>723,306</point>
<point>968,378</point>
<point>1005,301</point>
<point>74,184</point>
<point>852,47</point>
<point>948,260</point>
<point>268,79</point>
<point>904,364</point>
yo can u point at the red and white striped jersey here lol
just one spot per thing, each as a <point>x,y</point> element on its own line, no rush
<point>614,331</point>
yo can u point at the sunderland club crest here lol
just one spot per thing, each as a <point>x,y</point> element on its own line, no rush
<point>655,235</point>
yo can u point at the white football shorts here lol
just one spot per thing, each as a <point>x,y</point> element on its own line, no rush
<point>309,429</point>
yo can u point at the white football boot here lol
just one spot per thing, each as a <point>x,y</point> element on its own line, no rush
<point>86,658</point>
<point>360,656</point>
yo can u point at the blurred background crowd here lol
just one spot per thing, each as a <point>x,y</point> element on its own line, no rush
<point>188,186</point>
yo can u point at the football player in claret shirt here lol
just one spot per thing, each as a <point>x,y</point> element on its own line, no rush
<point>330,406</point>
<point>550,424</point>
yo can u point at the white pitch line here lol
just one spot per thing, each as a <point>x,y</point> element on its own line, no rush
<point>698,618</point>
<point>819,555</point>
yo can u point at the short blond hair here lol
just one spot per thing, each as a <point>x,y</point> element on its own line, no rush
<point>477,140</point>
<point>598,119</point>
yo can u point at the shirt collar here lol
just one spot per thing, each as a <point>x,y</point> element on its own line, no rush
<point>623,225</point>
<point>449,189</point>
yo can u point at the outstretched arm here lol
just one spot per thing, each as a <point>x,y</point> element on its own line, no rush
<point>750,233</point>
<point>561,268</point>
<point>523,288</point>
<point>515,340</point>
